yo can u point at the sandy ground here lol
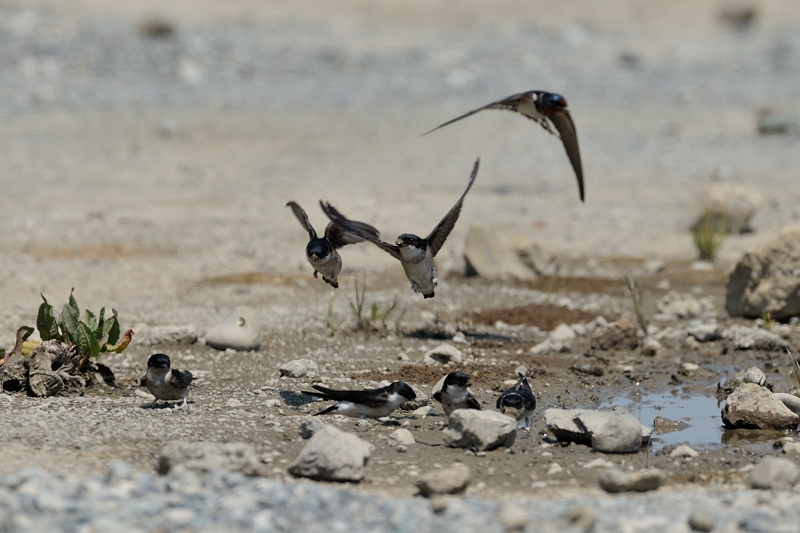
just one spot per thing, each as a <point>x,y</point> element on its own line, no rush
<point>173,213</point>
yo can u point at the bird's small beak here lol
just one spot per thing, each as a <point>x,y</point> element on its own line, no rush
<point>314,257</point>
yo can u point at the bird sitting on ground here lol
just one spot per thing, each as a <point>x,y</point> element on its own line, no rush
<point>166,383</point>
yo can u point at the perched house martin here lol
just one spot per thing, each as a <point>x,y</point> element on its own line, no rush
<point>455,393</point>
<point>321,251</point>
<point>519,402</point>
<point>166,383</point>
<point>414,253</point>
<point>371,403</point>
<point>548,109</point>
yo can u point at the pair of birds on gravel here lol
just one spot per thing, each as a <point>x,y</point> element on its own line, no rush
<point>518,401</point>
<point>416,254</point>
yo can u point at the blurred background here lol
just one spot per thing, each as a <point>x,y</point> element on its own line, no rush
<point>144,144</point>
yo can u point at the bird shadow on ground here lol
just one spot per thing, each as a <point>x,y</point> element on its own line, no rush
<point>295,399</point>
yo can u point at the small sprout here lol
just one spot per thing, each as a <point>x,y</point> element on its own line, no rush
<point>553,286</point>
<point>377,315</point>
<point>637,307</point>
<point>708,235</point>
<point>795,366</point>
<point>766,320</point>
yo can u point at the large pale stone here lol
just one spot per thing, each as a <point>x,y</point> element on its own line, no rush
<point>750,405</point>
<point>238,330</point>
<point>615,480</point>
<point>505,253</point>
<point>332,455</point>
<point>621,433</point>
<point>726,206</point>
<point>767,278</point>
<point>450,480</point>
<point>479,430</point>
<point>778,473</point>
<point>579,425</point>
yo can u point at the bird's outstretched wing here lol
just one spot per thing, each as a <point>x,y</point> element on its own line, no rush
<point>509,103</point>
<point>562,120</point>
<point>442,230</point>
<point>301,215</point>
<point>339,236</point>
<point>370,398</point>
<point>355,228</point>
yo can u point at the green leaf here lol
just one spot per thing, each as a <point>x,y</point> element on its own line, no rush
<point>86,341</point>
<point>98,330</point>
<point>110,334</point>
<point>91,321</point>
<point>46,322</point>
<point>68,319</point>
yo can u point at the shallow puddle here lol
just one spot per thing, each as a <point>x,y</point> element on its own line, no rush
<point>701,426</point>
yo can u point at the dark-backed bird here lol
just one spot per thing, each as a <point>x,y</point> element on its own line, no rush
<point>321,251</point>
<point>549,110</point>
<point>370,403</point>
<point>518,402</point>
<point>166,383</point>
<point>414,253</point>
<point>455,393</point>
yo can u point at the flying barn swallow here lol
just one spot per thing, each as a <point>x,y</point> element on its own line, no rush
<point>455,393</point>
<point>548,109</point>
<point>371,403</point>
<point>321,251</point>
<point>414,253</point>
<point>166,383</point>
<point>519,402</point>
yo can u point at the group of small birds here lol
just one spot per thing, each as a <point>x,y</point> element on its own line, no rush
<point>416,255</point>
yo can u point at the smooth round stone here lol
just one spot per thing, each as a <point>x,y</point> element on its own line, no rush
<point>237,331</point>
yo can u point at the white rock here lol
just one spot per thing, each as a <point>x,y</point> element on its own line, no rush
<point>621,433</point>
<point>450,480</point>
<point>779,473</point>
<point>600,462</point>
<point>442,355</point>
<point>726,206</point>
<point>751,405</point>
<point>233,402</point>
<point>549,346</point>
<point>505,253</point>
<point>172,335</point>
<point>615,480</point>
<point>299,368</point>
<point>676,305</point>
<point>745,338</point>
<point>424,411</point>
<point>651,346</point>
<point>767,278</point>
<point>310,426</point>
<point>479,430</point>
<point>332,455</point>
<point>683,451</point>
<point>237,331</point>
<point>705,332</point>
<point>578,425</point>
<point>562,333</point>
<point>755,375</point>
<point>205,456</point>
<point>272,403</point>
<point>402,436</point>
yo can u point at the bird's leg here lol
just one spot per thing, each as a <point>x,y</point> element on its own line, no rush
<point>153,404</point>
<point>315,274</point>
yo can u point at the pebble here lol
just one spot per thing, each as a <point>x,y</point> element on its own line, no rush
<point>615,480</point>
<point>684,450</point>
<point>332,455</point>
<point>236,331</point>
<point>562,333</point>
<point>402,436</point>
<point>752,405</point>
<point>172,335</point>
<point>299,368</point>
<point>442,355</point>
<point>450,480</point>
<point>701,520</point>
<point>622,433</point>
<point>651,346</point>
<point>779,473</point>
<point>479,430</point>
